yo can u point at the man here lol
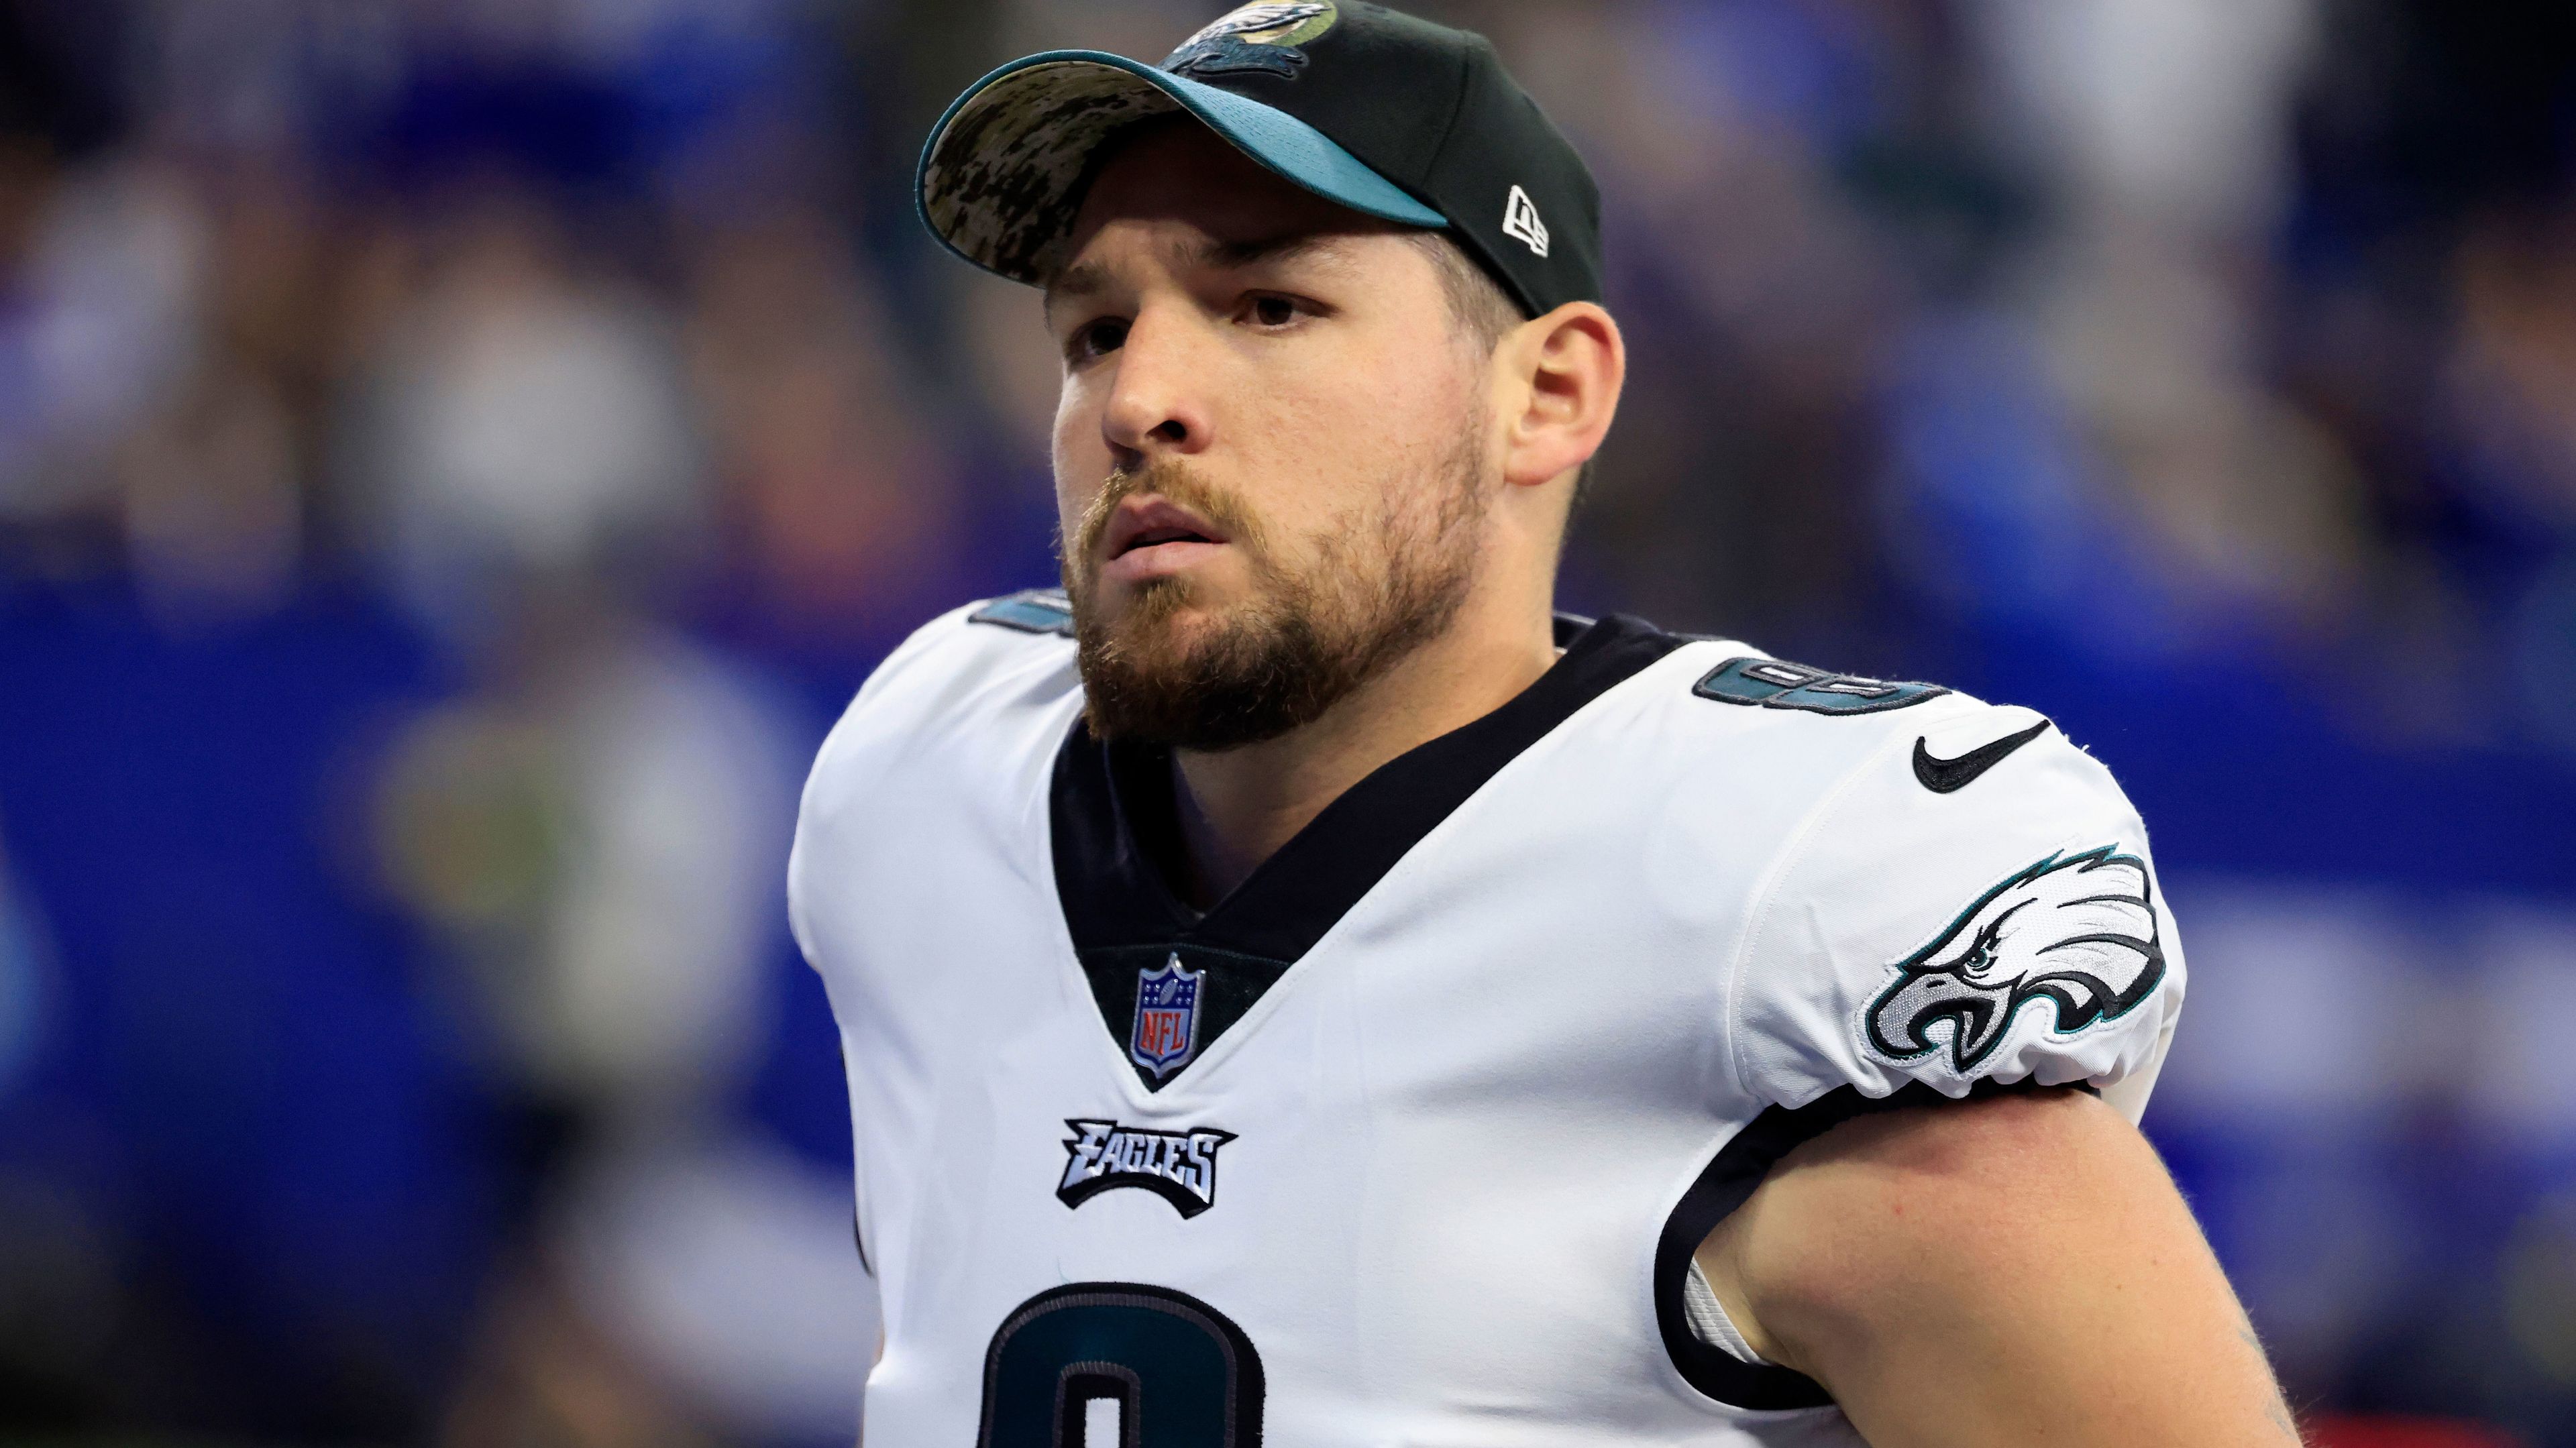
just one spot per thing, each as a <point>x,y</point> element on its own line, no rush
<point>1296,989</point>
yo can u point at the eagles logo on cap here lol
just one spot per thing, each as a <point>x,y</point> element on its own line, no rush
<point>1262,38</point>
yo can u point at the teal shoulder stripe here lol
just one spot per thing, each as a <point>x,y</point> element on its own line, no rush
<point>1779,684</point>
<point>1037,611</point>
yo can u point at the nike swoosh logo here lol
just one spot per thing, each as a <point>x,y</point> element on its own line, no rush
<point>1948,776</point>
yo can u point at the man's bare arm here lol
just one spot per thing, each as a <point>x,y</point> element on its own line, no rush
<point>2014,1270</point>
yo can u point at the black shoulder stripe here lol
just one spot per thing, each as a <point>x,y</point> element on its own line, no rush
<point>1036,610</point>
<point>1728,1180</point>
<point>1779,684</point>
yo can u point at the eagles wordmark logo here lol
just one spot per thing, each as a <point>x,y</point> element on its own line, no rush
<point>1178,1166</point>
<point>1257,39</point>
<point>2077,932</point>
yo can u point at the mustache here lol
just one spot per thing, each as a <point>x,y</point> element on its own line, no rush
<point>1167,478</point>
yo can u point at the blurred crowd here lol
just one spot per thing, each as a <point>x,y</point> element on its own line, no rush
<point>458,456</point>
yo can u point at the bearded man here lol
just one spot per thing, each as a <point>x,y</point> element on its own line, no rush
<point>1296,986</point>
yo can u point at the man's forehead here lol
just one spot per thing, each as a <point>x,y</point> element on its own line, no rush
<point>1180,249</point>
<point>1202,202</point>
<point>1176,167</point>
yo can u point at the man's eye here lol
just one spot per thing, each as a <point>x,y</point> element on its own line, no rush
<point>1094,339</point>
<point>1273,311</point>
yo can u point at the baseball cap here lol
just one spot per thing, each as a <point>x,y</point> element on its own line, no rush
<point>1383,112</point>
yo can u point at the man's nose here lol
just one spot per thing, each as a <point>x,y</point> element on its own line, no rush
<point>1157,404</point>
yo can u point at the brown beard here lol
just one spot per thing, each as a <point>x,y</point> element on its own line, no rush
<point>1387,581</point>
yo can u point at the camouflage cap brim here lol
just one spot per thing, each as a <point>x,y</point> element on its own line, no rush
<point>1000,181</point>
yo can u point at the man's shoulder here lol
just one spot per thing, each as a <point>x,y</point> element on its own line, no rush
<point>954,732</point>
<point>972,678</point>
<point>1835,757</point>
<point>983,652</point>
<point>1801,775</point>
<point>1949,891</point>
<point>1718,713</point>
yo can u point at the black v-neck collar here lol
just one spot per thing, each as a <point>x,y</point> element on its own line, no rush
<point>1112,814</point>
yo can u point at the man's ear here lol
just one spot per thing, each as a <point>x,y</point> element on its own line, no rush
<point>1559,376</point>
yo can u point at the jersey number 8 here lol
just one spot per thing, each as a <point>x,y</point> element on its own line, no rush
<point>1182,1374</point>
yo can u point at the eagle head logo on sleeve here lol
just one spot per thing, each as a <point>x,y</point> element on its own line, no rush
<point>2076,933</point>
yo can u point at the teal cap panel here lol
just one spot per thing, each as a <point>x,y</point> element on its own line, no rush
<point>1297,151</point>
<point>997,178</point>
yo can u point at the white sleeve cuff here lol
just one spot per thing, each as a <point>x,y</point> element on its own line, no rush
<point>1709,1323</point>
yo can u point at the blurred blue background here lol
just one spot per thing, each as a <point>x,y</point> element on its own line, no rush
<point>457,456</point>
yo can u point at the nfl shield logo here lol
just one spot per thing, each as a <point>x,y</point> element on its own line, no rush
<point>1167,1017</point>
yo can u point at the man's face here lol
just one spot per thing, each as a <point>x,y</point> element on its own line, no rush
<point>1271,457</point>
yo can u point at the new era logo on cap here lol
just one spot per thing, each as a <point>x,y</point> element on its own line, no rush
<point>1521,223</point>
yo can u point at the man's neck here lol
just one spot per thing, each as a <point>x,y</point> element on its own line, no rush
<point>1238,807</point>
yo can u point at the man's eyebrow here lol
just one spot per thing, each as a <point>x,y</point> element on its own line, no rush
<point>1082,279</point>
<point>1089,278</point>
<point>1294,246</point>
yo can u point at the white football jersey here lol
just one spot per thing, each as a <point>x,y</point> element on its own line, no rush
<point>1408,1141</point>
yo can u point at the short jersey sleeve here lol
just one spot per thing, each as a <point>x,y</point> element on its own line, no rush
<point>1973,903</point>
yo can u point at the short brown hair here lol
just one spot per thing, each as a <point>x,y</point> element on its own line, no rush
<point>1482,309</point>
<point>1477,302</point>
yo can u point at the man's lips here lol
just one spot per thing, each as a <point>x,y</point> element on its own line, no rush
<point>1150,537</point>
<point>1148,522</point>
<point>1157,560</point>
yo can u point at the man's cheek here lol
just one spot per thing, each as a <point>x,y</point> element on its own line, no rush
<point>1080,463</point>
